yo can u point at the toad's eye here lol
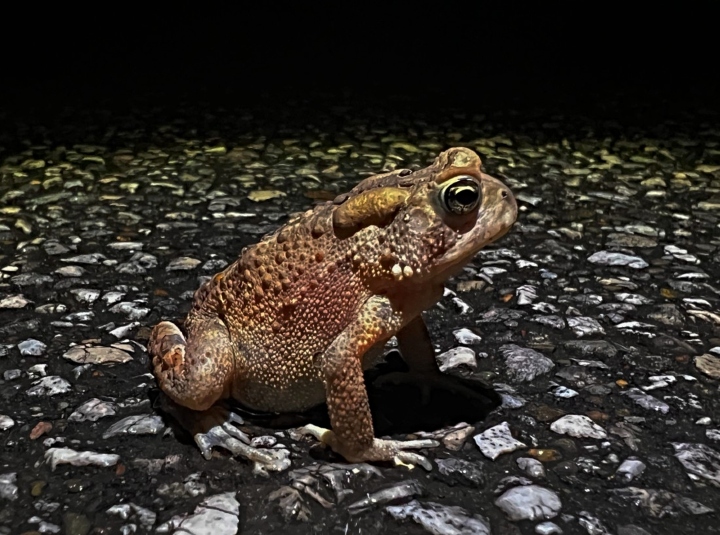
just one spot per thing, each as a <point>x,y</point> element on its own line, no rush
<point>461,195</point>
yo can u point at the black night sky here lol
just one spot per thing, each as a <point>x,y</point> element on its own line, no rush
<point>601,59</point>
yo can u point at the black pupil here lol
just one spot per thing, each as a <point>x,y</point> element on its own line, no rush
<point>465,195</point>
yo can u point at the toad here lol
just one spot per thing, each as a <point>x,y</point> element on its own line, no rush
<point>300,315</point>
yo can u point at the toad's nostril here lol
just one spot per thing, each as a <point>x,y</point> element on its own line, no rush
<point>504,194</point>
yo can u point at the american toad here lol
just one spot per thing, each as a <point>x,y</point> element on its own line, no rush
<point>299,316</point>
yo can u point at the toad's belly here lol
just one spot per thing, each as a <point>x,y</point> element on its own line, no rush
<point>297,396</point>
<point>272,393</point>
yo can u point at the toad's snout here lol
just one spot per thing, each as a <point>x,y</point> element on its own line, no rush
<point>500,200</point>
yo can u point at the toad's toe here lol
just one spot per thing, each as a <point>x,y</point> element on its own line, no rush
<point>236,442</point>
<point>380,449</point>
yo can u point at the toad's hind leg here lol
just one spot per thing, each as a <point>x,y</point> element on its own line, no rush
<point>218,426</point>
<point>196,372</point>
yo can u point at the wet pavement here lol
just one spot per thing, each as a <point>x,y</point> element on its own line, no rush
<point>597,320</point>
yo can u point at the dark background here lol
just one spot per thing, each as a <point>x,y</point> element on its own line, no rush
<point>607,59</point>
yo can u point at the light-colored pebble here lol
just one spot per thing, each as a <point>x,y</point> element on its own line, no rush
<point>14,302</point>
<point>92,410</point>
<point>89,354</point>
<point>6,422</point>
<point>441,519</point>
<point>456,358</point>
<point>56,456</point>
<point>467,337</point>
<point>216,515</point>
<point>51,385</point>
<point>529,502</point>
<point>137,424</point>
<point>497,440</point>
<point>32,347</point>
<point>184,263</point>
<point>579,426</point>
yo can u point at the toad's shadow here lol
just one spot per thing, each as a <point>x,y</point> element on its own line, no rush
<point>398,408</point>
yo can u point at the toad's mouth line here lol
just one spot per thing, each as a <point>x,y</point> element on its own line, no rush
<point>464,250</point>
<point>461,255</point>
<point>498,236</point>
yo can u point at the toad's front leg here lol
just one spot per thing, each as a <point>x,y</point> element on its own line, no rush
<point>352,434</point>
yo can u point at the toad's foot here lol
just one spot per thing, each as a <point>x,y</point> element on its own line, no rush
<point>379,450</point>
<point>216,426</point>
<point>229,437</point>
<point>429,381</point>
